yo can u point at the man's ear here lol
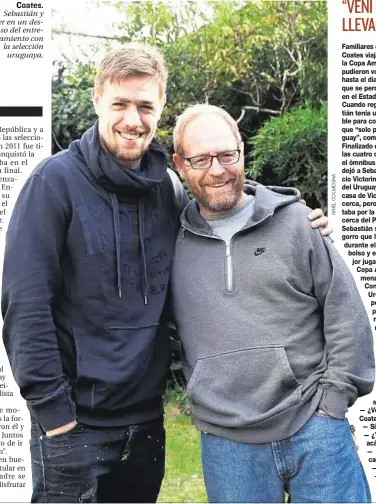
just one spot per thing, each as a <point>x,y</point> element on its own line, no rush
<point>241,147</point>
<point>179,163</point>
<point>95,96</point>
<point>163,103</point>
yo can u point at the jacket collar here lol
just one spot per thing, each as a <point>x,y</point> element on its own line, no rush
<point>267,201</point>
<point>113,176</point>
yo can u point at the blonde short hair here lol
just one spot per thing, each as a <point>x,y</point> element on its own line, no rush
<point>197,110</point>
<point>132,60</point>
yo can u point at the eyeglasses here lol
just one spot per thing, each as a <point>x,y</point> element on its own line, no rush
<point>205,161</point>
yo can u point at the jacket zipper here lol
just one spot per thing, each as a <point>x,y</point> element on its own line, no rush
<point>229,263</point>
<point>229,276</point>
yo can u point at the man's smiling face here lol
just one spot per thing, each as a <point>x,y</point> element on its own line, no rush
<point>128,112</point>
<point>219,188</point>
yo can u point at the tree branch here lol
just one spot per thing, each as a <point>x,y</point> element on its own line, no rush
<point>260,109</point>
<point>80,34</point>
<point>56,141</point>
<point>241,116</point>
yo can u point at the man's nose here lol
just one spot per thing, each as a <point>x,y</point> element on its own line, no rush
<point>216,168</point>
<point>131,117</point>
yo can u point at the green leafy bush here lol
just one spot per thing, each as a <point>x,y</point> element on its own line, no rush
<point>72,107</point>
<point>252,58</point>
<point>292,150</point>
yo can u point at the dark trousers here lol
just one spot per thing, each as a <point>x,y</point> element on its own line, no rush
<point>99,464</point>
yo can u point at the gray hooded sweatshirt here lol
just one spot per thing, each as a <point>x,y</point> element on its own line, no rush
<point>272,325</point>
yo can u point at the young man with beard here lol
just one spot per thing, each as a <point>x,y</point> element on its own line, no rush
<point>277,343</point>
<point>86,269</point>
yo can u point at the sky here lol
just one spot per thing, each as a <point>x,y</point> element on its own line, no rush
<point>91,17</point>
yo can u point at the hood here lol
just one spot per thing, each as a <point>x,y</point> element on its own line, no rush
<point>267,201</point>
<point>114,177</point>
<point>122,182</point>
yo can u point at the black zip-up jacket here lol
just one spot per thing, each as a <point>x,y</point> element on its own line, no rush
<point>87,264</point>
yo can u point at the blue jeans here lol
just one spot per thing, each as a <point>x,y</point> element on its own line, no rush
<point>98,464</point>
<point>317,464</point>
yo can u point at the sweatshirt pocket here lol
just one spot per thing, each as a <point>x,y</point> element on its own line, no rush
<point>110,369</point>
<point>242,387</point>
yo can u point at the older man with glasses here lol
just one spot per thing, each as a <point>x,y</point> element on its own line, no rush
<point>277,343</point>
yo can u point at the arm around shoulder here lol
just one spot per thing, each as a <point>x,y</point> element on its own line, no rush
<point>180,193</point>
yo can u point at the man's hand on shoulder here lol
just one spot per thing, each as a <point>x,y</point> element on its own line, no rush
<point>62,430</point>
<point>319,220</point>
<point>322,412</point>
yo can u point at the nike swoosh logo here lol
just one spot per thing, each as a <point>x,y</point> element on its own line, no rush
<point>259,251</point>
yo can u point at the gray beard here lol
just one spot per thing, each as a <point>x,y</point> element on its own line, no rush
<point>228,203</point>
<point>220,206</point>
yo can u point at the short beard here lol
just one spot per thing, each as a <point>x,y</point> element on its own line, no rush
<point>229,202</point>
<point>129,156</point>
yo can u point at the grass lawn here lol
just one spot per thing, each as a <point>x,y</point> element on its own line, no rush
<point>183,480</point>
